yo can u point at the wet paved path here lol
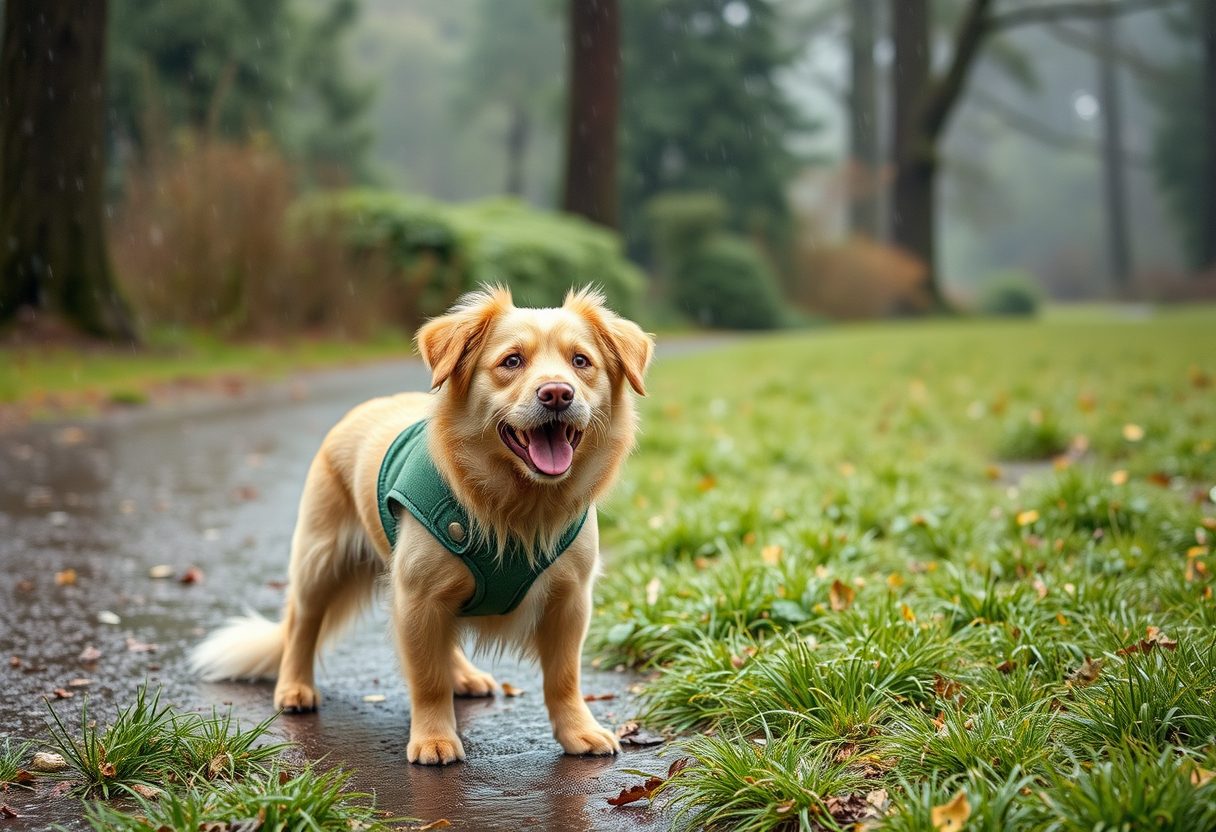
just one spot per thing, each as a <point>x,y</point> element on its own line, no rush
<point>215,485</point>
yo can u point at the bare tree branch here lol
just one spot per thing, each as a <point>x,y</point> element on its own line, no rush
<point>944,92</point>
<point>1129,56</point>
<point>1079,10</point>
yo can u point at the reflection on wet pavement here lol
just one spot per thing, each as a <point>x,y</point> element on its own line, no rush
<point>217,488</point>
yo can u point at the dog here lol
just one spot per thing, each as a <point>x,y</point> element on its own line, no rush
<point>474,505</point>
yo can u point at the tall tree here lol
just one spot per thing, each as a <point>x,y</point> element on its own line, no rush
<point>925,101</point>
<point>863,121</point>
<point>513,65</point>
<point>1118,239</point>
<point>703,110</point>
<point>1207,251</point>
<point>592,111</point>
<point>52,166</point>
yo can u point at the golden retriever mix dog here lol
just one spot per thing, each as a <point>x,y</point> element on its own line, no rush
<point>476,503</point>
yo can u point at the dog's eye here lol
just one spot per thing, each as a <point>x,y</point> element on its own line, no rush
<point>581,361</point>
<point>512,361</point>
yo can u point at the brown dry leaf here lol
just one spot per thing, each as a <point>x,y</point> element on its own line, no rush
<point>841,595</point>
<point>193,575</point>
<point>633,734</point>
<point>80,683</point>
<point>89,655</point>
<point>1086,674</point>
<point>14,662</point>
<point>946,688</point>
<point>849,809</point>
<point>509,689</point>
<point>636,793</point>
<point>25,586</point>
<point>61,693</point>
<point>598,697</point>
<point>22,777</point>
<point>846,752</point>
<point>136,646</point>
<point>63,787</point>
<point>108,770</point>
<point>442,823</point>
<point>951,815</point>
<point>146,792</point>
<point>1007,666</point>
<point>6,813</point>
<point>66,578</point>
<point>1159,479</point>
<point>71,436</point>
<point>1201,776</point>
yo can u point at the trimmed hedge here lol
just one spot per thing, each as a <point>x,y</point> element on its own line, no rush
<point>539,255</point>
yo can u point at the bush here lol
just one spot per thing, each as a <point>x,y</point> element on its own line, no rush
<point>541,255</point>
<point>725,284</point>
<point>681,222</point>
<point>857,279</point>
<point>1010,294</point>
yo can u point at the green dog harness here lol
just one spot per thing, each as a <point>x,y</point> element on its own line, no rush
<point>409,479</point>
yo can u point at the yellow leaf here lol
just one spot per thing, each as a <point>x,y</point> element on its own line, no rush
<point>847,469</point>
<point>771,554</point>
<point>1201,776</point>
<point>1028,517</point>
<point>841,595</point>
<point>906,612</point>
<point>952,815</point>
<point>1196,551</point>
<point>1119,477</point>
<point>1063,621</point>
<point>895,580</point>
<point>1133,433</point>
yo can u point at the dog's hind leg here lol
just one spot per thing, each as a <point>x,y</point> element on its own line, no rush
<point>467,680</point>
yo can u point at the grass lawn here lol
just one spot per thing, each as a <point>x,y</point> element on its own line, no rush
<point>933,571</point>
<point>52,381</point>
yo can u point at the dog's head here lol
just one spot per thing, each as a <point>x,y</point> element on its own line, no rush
<point>541,390</point>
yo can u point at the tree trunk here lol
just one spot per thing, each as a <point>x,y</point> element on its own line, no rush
<point>1208,252</point>
<point>863,128</point>
<point>1117,237</point>
<point>52,165</point>
<point>591,113</point>
<point>517,150</point>
<point>913,203</point>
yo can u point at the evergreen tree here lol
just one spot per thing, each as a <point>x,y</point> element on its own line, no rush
<point>702,111</point>
<point>235,67</point>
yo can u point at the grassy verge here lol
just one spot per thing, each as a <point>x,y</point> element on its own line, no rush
<point>46,380</point>
<point>929,571</point>
<point>154,767</point>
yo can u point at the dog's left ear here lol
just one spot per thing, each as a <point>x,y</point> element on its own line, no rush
<point>628,346</point>
<point>451,343</point>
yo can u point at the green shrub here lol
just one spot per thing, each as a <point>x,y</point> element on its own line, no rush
<point>541,255</point>
<point>1013,294</point>
<point>725,284</point>
<point>681,222</point>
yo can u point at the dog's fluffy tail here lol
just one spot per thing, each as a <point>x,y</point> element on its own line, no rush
<point>247,647</point>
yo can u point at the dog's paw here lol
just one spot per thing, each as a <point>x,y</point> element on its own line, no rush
<point>296,698</point>
<point>473,682</point>
<point>435,751</point>
<point>588,738</point>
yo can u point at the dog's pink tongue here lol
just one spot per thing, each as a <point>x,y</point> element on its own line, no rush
<point>549,449</point>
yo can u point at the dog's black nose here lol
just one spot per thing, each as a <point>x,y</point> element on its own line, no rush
<point>555,395</point>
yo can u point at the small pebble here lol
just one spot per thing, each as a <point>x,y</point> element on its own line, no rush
<point>107,617</point>
<point>47,762</point>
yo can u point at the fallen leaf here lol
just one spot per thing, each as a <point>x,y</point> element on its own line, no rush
<point>878,798</point>
<point>636,793</point>
<point>66,578</point>
<point>846,752</point>
<point>108,770</point>
<point>1133,433</point>
<point>89,654</point>
<point>1196,551</point>
<point>25,586</point>
<point>841,595</point>
<point>1160,479</point>
<point>193,575</point>
<point>1063,621</point>
<point>947,688</point>
<point>906,612</point>
<point>1086,674</point>
<point>14,662</point>
<point>71,436</point>
<point>442,823</point>
<point>1025,518</point>
<point>162,571</point>
<point>1007,666</point>
<point>1201,776</point>
<point>951,815</point>
<point>136,646</point>
<point>509,689</point>
<point>60,693</point>
<point>771,554</point>
<point>63,787</point>
<point>146,792</point>
<point>245,492</point>
<point>1119,478</point>
<point>849,809</point>
<point>7,813</point>
<point>47,762</point>
<point>598,697</point>
<point>633,734</point>
<point>375,697</point>
<point>652,591</point>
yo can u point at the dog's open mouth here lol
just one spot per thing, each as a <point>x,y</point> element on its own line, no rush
<point>547,449</point>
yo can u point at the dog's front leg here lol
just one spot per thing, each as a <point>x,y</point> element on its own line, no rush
<point>559,642</point>
<point>426,638</point>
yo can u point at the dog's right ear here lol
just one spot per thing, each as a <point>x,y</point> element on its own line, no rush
<point>451,343</point>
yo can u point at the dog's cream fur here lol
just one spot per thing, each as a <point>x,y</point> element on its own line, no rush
<point>339,549</point>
